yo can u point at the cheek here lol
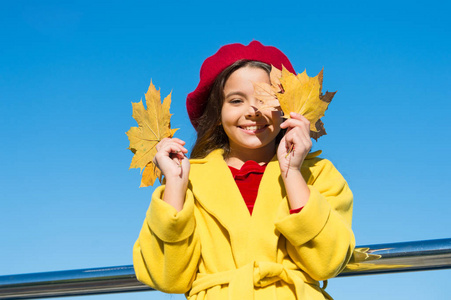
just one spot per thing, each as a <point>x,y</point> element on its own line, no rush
<point>223,115</point>
<point>223,118</point>
<point>229,115</point>
<point>276,116</point>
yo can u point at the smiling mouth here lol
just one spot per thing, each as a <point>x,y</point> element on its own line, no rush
<point>254,128</point>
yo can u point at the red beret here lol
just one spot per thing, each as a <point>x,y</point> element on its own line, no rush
<point>226,56</point>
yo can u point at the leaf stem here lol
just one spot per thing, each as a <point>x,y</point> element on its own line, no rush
<point>289,151</point>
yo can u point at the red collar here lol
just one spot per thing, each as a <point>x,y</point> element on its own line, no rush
<point>248,167</point>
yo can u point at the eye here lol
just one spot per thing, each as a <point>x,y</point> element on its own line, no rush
<point>235,101</point>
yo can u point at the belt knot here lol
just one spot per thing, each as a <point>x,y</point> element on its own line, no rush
<point>266,273</point>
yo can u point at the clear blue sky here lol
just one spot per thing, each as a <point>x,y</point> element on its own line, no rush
<point>69,71</point>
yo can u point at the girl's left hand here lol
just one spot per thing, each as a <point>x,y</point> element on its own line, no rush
<point>297,138</point>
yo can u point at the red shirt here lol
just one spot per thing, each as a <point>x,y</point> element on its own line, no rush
<point>248,180</point>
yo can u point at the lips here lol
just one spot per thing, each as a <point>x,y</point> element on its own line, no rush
<point>253,128</point>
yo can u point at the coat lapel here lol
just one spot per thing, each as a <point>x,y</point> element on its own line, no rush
<point>263,237</point>
<point>215,189</point>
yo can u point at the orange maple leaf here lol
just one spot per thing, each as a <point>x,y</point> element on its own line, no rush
<point>154,124</point>
<point>296,93</point>
<point>267,93</point>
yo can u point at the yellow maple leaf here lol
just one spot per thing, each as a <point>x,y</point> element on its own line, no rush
<point>297,93</point>
<point>154,124</point>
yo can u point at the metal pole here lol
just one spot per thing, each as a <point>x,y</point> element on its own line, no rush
<point>372,259</point>
<point>70,283</point>
<point>400,257</point>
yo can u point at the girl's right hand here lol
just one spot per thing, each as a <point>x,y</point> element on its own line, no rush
<point>174,165</point>
<point>171,160</point>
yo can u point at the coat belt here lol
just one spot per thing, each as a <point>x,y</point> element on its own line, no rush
<point>242,281</point>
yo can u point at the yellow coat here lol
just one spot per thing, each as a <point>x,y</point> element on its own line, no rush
<point>214,249</point>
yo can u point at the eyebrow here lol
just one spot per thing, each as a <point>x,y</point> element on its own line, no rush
<point>235,93</point>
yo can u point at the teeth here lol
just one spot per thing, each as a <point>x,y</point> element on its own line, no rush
<point>252,128</point>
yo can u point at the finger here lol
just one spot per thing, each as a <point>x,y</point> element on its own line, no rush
<point>297,116</point>
<point>162,143</point>
<point>303,132</point>
<point>182,149</point>
<point>173,148</point>
<point>291,123</point>
<point>297,133</point>
<point>179,141</point>
<point>174,143</point>
<point>299,137</point>
<point>289,139</point>
<point>171,151</point>
<point>298,122</point>
<point>179,155</point>
<point>166,141</point>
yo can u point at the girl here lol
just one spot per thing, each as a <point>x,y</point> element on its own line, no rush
<point>244,218</point>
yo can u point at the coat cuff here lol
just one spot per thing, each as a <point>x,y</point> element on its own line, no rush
<point>302,227</point>
<point>166,222</point>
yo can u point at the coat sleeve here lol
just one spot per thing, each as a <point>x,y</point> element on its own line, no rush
<point>319,238</point>
<point>167,252</point>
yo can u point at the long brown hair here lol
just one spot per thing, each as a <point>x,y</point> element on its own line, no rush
<point>210,134</point>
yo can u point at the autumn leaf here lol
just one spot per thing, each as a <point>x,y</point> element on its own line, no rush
<point>274,77</point>
<point>297,93</point>
<point>154,124</point>
<point>267,93</point>
<point>267,96</point>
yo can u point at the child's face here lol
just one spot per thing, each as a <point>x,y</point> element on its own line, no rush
<point>246,127</point>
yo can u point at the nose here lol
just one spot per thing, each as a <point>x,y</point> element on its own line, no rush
<point>253,111</point>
